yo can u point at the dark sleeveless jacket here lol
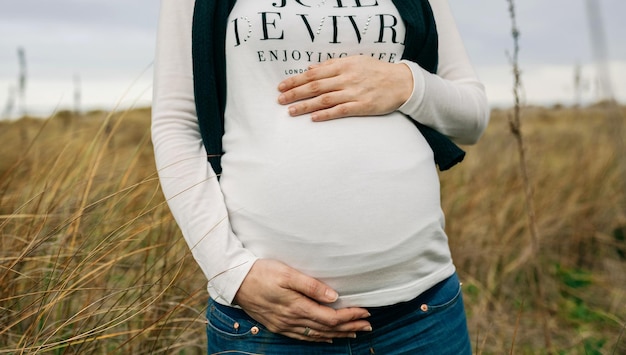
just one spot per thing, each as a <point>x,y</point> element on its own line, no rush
<point>209,69</point>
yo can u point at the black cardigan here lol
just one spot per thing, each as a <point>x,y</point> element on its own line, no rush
<point>209,71</point>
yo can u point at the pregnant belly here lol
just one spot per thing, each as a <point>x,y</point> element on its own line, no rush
<point>336,195</point>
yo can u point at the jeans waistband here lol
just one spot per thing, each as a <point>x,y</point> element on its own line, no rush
<point>379,315</point>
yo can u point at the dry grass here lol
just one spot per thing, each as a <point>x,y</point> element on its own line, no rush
<point>581,252</point>
<point>92,262</point>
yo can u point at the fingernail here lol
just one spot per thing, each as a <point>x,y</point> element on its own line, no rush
<point>367,329</point>
<point>332,295</point>
<point>281,86</point>
<point>292,111</point>
<point>314,117</point>
<point>353,335</point>
<point>281,99</point>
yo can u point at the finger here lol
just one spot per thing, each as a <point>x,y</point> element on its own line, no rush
<point>311,333</point>
<point>318,103</point>
<point>309,304</point>
<point>346,109</point>
<point>327,318</point>
<point>313,74</point>
<point>298,325</point>
<point>343,330</point>
<point>309,90</point>
<point>321,318</point>
<point>311,287</point>
<point>300,336</point>
<point>328,62</point>
<point>315,290</point>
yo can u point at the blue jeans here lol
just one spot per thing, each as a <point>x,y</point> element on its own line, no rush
<point>433,323</point>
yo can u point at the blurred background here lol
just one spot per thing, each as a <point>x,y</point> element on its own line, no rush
<point>96,54</point>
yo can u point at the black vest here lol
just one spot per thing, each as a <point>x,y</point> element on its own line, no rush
<point>209,72</point>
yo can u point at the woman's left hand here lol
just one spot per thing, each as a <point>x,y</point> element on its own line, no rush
<point>351,86</point>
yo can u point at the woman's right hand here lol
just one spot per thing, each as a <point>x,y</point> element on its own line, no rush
<point>291,303</point>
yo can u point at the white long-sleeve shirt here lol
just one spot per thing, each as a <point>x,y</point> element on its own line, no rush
<point>353,202</point>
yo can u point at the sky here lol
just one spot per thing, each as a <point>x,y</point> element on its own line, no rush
<point>106,48</point>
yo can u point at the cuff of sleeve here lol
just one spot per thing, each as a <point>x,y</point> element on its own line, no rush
<point>413,104</point>
<point>223,287</point>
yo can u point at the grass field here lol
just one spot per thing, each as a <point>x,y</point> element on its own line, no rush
<point>92,262</point>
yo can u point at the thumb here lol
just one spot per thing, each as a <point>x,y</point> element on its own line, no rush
<point>312,288</point>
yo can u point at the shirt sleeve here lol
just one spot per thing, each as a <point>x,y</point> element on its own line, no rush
<point>453,101</point>
<point>188,182</point>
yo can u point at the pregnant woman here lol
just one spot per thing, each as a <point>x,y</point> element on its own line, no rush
<point>297,144</point>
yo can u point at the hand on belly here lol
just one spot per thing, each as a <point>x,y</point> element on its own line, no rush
<point>292,304</point>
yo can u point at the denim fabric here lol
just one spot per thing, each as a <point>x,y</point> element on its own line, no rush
<point>435,323</point>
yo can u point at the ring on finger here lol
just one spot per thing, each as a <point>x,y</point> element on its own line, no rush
<point>307,330</point>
